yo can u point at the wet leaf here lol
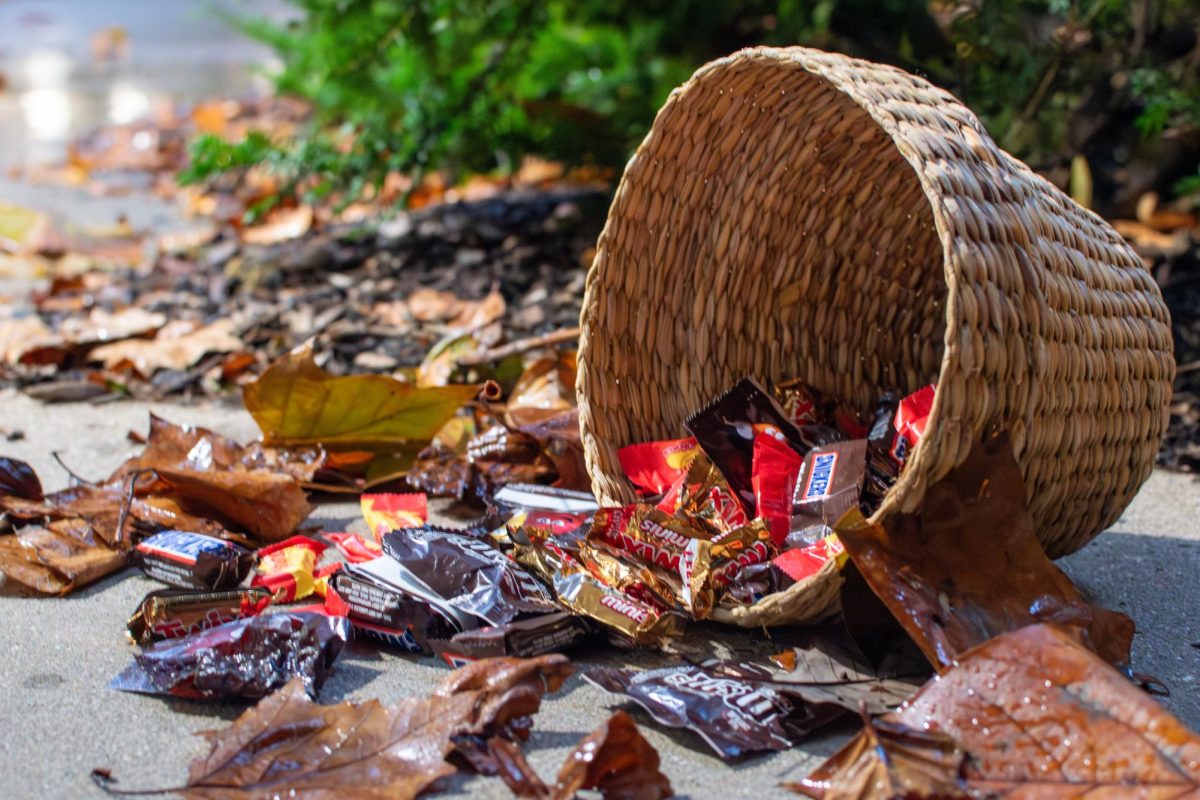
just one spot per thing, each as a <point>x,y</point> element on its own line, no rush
<point>1037,715</point>
<point>968,565</point>
<point>176,346</point>
<point>56,559</point>
<point>19,480</point>
<point>296,402</point>
<point>614,759</point>
<point>288,746</point>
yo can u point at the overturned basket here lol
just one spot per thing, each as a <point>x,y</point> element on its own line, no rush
<point>795,213</point>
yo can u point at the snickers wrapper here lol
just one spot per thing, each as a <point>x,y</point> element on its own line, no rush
<point>192,560</point>
<point>830,483</point>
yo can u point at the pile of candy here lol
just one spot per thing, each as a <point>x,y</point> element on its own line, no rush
<point>740,509</point>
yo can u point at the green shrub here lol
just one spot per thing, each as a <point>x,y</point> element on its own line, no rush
<point>473,85</point>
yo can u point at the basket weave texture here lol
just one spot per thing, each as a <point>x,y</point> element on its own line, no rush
<point>795,213</point>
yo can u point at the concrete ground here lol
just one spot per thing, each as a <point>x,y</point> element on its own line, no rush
<point>57,656</point>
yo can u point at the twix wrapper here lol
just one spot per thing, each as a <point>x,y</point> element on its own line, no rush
<point>632,620</point>
<point>705,499</point>
<point>171,613</point>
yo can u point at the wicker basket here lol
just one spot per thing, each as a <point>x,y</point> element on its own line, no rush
<point>800,213</point>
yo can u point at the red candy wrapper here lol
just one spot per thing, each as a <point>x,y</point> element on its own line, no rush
<point>286,568</point>
<point>775,469</point>
<point>656,467</point>
<point>385,512</point>
<point>355,548</point>
<point>913,413</point>
<point>802,562</point>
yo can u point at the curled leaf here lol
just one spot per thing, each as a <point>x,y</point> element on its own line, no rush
<point>295,402</point>
<point>967,565</point>
<point>19,480</point>
<point>614,759</point>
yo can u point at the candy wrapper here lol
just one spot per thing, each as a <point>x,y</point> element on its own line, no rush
<point>171,613</point>
<point>192,560</point>
<point>656,468</point>
<point>802,562</point>
<point>725,430</point>
<point>829,484</point>
<point>708,566</point>
<point>800,402</point>
<point>523,638</point>
<point>380,608</point>
<point>631,620</point>
<point>355,548</point>
<point>287,568</point>
<point>385,513</point>
<point>732,715</point>
<point>566,529</point>
<point>776,469</point>
<point>247,658</point>
<point>545,498</point>
<point>468,575</point>
<point>913,413</point>
<point>704,499</point>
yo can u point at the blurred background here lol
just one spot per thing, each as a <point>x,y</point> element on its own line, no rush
<point>460,87</point>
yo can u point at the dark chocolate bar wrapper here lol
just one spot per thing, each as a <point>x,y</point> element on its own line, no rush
<point>247,658</point>
<point>732,715</point>
<point>523,638</point>
<point>468,574</point>
<point>830,483</point>
<point>630,619</point>
<point>380,610</point>
<point>725,429</point>
<point>171,613</point>
<point>192,560</point>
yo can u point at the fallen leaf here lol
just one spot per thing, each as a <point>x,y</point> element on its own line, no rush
<point>22,229</point>
<point>18,479</point>
<point>59,558</point>
<point>289,746</point>
<point>19,335</point>
<point>545,389</point>
<point>280,225</point>
<point>1036,714</point>
<point>968,565</point>
<point>78,335</point>
<point>296,402</point>
<point>176,346</point>
<point>614,759</point>
<point>560,441</point>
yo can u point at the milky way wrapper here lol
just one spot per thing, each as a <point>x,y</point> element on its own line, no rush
<point>726,428</point>
<point>379,608</point>
<point>468,575</point>
<point>171,613</point>
<point>830,483</point>
<point>732,715</point>
<point>192,560</point>
<point>629,619</point>
<point>522,638</point>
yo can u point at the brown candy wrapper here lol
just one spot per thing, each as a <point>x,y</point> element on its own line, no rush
<point>523,638</point>
<point>734,716</point>
<point>380,609</point>
<point>171,613</point>
<point>726,428</point>
<point>830,483</point>
<point>633,621</point>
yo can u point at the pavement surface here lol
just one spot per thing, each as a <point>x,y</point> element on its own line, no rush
<point>57,656</point>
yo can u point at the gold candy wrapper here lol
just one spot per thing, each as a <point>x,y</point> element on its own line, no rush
<point>638,622</point>
<point>706,500</point>
<point>636,580</point>
<point>171,613</point>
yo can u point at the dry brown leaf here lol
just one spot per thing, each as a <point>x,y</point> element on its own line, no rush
<point>55,560</point>
<point>288,746</point>
<point>78,335</point>
<point>546,388</point>
<point>1037,714</point>
<point>614,759</point>
<point>279,226</point>
<point>968,565</point>
<point>22,334</point>
<point>178,345</point>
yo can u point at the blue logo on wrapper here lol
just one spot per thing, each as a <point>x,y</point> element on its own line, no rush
<point>182,546</point>
<point>822,475</point>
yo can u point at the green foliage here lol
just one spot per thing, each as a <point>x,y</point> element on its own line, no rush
<point>472,85</point>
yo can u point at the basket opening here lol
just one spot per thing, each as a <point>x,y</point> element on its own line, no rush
<point>771,227</point>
